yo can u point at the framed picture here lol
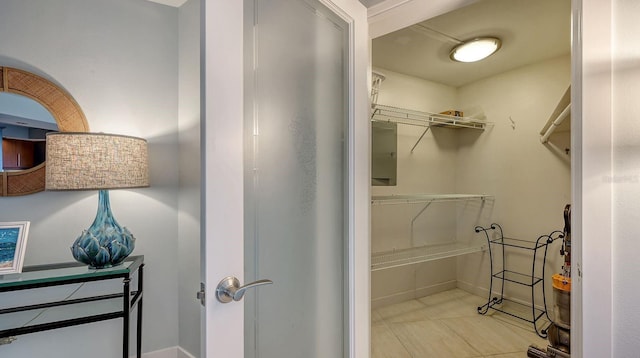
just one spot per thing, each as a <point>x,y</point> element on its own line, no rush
<point>13,243</point>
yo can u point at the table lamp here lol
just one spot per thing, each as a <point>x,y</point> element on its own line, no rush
<point>98,161</point>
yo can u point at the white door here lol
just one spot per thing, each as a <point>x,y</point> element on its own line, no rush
<point>286,177</point>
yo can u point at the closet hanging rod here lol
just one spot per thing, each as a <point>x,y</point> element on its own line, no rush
<point>561,117</point>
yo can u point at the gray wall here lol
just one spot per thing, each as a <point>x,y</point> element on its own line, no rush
<point>119,59</point>
<point>189,196</point>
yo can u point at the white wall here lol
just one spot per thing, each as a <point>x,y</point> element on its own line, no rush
<point>118,58</point>
<point>189,196</point>
<point>429,169</point>
<point>625,178</point>
<point>531,182</point>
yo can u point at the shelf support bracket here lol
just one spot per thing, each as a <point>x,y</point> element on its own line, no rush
<point>416,218</point>
<point>419,139</point>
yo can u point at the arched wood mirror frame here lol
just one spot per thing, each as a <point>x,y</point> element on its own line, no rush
<point>64,109</point>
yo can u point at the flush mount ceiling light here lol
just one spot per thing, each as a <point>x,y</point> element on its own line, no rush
<point>476,49</point>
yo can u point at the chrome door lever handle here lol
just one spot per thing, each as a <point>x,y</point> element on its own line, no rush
<point>229,289</point>
<point>237,296</point>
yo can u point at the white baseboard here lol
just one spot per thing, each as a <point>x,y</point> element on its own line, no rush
<point>412,294</point>
<point>184,354</point>
<point>391,299</point>
<point>171,352</point>
<point>473,289</point>
<point>430,290</point>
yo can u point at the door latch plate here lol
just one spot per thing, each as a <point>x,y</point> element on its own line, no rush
<point>201,295</point>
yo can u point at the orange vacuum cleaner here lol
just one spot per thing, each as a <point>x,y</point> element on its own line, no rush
<point>559,331</point>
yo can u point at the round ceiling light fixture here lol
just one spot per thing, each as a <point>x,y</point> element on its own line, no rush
<point>476,49</point>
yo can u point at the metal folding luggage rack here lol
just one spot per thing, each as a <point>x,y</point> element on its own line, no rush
<point>538,247</point>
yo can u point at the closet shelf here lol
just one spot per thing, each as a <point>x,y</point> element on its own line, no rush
<point>414,255</point>
<point>422,253</point>
<point>424,198</point>
<point>382,113</point>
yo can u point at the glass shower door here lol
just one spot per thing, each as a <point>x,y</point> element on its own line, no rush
<point>286,178</point>
<point>296,175</point>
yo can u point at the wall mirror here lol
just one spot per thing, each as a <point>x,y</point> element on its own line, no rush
<point>23,166</point>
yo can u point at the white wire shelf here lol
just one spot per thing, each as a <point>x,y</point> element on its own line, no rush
<point>402,257</point>
<point>424,198</point>
<point>383,113</point>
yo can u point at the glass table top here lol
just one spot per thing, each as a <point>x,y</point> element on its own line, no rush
<point>43,274</point>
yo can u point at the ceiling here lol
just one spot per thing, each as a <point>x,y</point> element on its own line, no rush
<point>22,111</point>
<point>370,3</point>
<point>530,30</point>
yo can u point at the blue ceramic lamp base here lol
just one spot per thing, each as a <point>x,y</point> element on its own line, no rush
<point>105,243</point>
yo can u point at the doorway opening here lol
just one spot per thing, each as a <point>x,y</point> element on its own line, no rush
<point>481,156</point>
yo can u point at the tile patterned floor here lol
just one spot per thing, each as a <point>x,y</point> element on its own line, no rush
<point>447,325</point>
